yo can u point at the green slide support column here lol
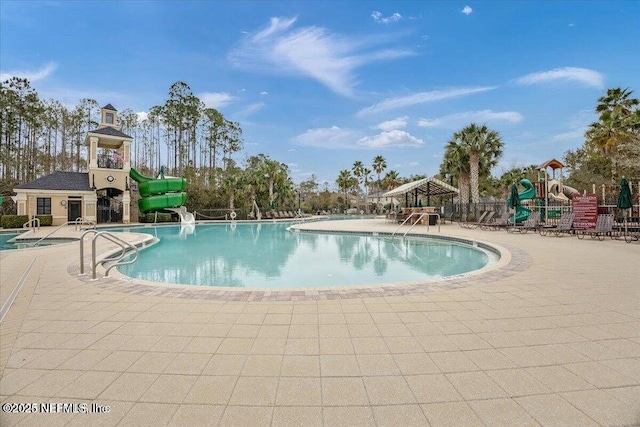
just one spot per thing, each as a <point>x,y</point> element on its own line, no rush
<point>158,194</point>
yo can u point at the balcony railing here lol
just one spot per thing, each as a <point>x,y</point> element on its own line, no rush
<point>110,164</point>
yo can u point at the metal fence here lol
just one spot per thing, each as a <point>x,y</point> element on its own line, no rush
<point>219,214</point>
<point>547,214</point>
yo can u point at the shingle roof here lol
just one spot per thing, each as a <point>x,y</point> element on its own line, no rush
<point>111,132</point>
<point>77,181</point>
<point>109,107</point>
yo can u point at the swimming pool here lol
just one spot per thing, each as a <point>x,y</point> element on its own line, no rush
<point>267,255</point>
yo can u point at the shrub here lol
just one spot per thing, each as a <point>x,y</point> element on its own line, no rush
<point>45,220</point>
<point>14,221</point>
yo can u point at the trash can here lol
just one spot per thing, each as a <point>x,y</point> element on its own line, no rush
<point>433,220</point>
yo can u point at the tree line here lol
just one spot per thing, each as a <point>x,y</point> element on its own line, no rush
<point>38,137</point>
<point>611,150</point>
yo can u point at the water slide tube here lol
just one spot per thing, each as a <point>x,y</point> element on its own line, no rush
<point>158,194</point>
<point>528,193</point>
<point>561,193</point>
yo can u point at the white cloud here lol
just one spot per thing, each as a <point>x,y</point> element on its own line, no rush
<point>397,123</point>
<point>467,10</point>
<point>570,135</point>
<point>215,99</point>
<point>393,138</point>
<point>410,164</point>
<point>311,51</point>
<point>333,137</point>
<point>458,119</point>
<point>420,98</point>
<point>264,92</point>
<point>377,17</point>
<point>581,75</point>
<point>250,109</point>
<point>142,116</point>
<point>33,76</point>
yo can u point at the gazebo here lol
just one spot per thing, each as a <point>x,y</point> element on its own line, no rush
<point>427,187</point>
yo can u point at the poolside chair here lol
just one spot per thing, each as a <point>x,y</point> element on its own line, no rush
<point>267,215</point>
<point>473,224</point>
<point>391,216</point>
<point>604,226</point>
<point>565,225</point>
<point>530,223</point>
<point>483,220</point>
<point>497,223</point>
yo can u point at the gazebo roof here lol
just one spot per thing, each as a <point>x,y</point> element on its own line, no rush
<point>427,186</point>
<point>553,164</point>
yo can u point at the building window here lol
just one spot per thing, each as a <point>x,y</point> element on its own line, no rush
<point>108,118</point>
<point>44,205</point>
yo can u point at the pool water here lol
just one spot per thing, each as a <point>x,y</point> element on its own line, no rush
<point>268,255</point>
<point>4,241</point>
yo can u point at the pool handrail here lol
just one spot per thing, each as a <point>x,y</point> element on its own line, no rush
<point>83,220</point>
<point>117,257</point>
<point>422,214</point>
<point>35,227</point>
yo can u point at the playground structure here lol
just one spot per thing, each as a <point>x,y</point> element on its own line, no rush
<point>551,188</point>
<point>544,195</point>
<point>162,193</point>
<point>522,212</point>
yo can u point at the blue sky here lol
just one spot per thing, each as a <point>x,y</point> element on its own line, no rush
<point>318,85</point>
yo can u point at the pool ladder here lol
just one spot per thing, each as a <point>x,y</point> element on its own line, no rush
<point>117,258</point>
<point>421,215</point>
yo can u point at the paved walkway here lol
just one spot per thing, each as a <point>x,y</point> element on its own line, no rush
<point>550,338</point>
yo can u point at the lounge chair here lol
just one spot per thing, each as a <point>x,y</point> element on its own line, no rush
<point>447,217</point>
<point>391,216</point>
<point>604,227</point>
<point>530,223</point>
<point>266,215</point>
<point>484,218</point>
<point>497,223</point>
<point>468,224</point>
<point>565,225</point>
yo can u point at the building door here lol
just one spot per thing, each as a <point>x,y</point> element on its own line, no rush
<point>74,209</point>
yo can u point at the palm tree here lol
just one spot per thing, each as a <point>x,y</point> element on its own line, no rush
<point>617,126</point>
<point>345,181</point>
<point>379,165</point>
<point>618,101</point>
<point>456,163</point>
<point>391,180</point>
<point>273,171</point>
<point>357,170</point>
<point>479,141</point>
<point>366,179</point>
<point>231,183</point>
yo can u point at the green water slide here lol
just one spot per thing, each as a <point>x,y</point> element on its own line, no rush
<point>529,192</point>
<point>161,193</point>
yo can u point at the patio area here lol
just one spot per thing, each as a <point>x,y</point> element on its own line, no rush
<point>549,337</point>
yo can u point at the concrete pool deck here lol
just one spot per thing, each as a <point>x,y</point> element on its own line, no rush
<point>551,338</point>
